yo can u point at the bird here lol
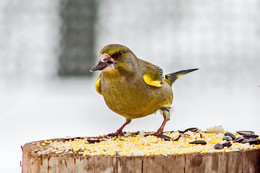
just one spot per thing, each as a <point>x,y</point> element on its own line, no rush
<point>132,87</point>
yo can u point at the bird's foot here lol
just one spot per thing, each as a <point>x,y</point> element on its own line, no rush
<point>158,133</point>
<point>117,133</point>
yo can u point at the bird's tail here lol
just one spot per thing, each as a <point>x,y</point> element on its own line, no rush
<point>170,78</point>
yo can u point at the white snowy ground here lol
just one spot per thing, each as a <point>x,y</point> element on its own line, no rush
<point>73,108</point>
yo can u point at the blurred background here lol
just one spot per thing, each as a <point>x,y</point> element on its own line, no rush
<point>47,48</point>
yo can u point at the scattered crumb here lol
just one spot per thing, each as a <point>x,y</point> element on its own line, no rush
<point>215,129</point>
<point>145,144</point>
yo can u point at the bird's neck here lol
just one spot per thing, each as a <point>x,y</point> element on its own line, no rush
<point>111,73</point>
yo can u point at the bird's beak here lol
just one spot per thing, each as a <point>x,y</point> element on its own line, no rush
<point>101,65</point>
<point>105,60</point>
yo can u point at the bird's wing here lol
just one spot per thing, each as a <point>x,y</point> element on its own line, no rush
<point>98,85</point>
<point>154,76</point>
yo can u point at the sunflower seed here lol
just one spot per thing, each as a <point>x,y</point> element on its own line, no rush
<point>230,134</point>
<point>202,142</point>
<point>218,146</point>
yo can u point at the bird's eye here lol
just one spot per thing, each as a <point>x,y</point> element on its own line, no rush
<point>117,55</point>
<point>120,53</point>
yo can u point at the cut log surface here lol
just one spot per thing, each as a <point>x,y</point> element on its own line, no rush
<point>247,161</point>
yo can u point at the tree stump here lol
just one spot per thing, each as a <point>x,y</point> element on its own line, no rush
<point>231,162</point>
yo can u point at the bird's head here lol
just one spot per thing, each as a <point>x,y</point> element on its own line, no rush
<point>115,57</point>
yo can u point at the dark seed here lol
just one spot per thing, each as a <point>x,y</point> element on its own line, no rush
<point>245,141</point>
<point>67,139</point>
<point>93,140</point>
<point>200,135</point>
<point>36,151</point>
<point>202,142</point>
<point>164,137</point>
<point>230,134</point>
<point>192,129</point>
<point>227,138</point>
<point>243,132</point>
<point>254,141</point>
<point>250,136</point>
<point>218,146</point>
<point>239,139</point>
<point>227,144</point>
<point>180,131</point>
<point>177,138</point>
<point>137,133</point>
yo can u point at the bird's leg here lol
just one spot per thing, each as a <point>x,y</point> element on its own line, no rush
<point>119,131</point>
<point>166,117</point>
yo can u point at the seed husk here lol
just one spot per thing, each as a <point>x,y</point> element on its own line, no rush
<point>177,138</point>
<point>93,140</point>
<point>164,137</point>
<point>180,131</point>
<point>192,129</point>
<point>67,139</point>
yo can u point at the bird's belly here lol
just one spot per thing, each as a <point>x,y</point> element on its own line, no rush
<point>136,101</point>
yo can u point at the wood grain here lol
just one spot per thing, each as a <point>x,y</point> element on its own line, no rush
<point>230,162</point>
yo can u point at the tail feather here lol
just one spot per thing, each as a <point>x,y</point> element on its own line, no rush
<point>170,78</point>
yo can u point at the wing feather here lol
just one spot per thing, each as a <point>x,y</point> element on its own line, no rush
<point>98,85</point>
<point>154,76</point>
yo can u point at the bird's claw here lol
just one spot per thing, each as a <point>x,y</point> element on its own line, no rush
<point>158,133</point>
<point>117,133</point>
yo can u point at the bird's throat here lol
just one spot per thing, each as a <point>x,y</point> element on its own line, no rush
<point>109,67</point>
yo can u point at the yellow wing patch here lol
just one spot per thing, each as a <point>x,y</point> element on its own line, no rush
<point>151,81</point>
<point>97,85</point>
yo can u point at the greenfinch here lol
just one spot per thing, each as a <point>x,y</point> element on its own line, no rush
<point>134,88</point>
